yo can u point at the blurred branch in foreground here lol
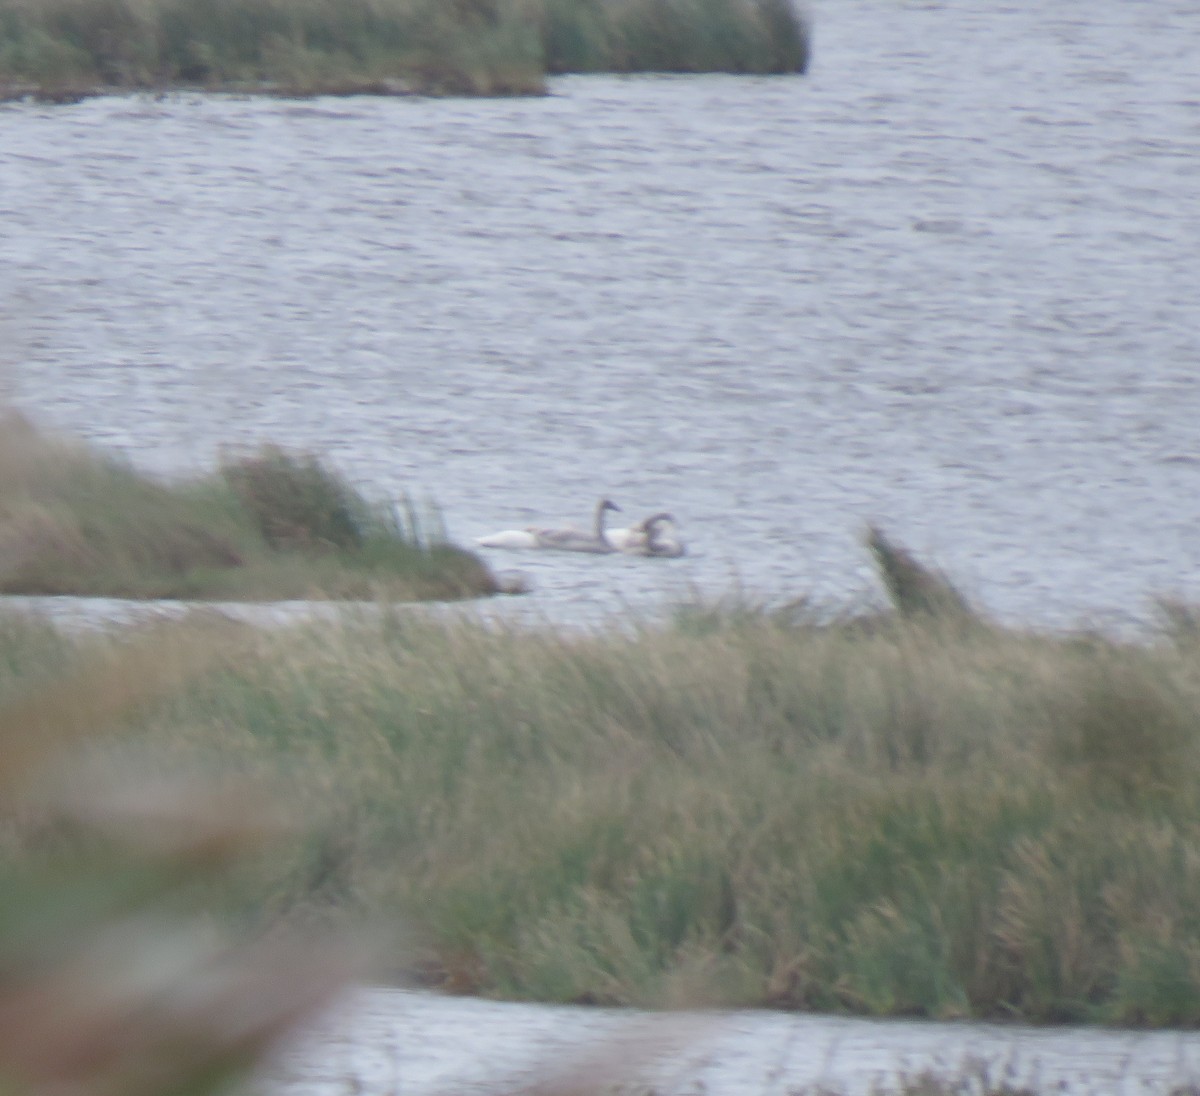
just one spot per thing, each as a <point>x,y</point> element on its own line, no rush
<point>110,983</point>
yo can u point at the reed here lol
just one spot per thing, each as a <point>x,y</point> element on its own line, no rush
<point>913,587</point>
<point>67,48</point>
<point>885,816</point>
<point>270,524</point>
<point>291,47</point>
<point>905,812</point>
<point>127,967</point>
<point>739,36</point>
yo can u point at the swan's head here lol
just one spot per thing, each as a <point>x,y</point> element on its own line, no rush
<point>608,504</point>
<point>656,543</point>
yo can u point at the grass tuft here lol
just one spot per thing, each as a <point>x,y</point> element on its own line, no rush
<point>914,588</point>
<point>1123,726</point>
<point>738,36</point>
<point>296,503</point>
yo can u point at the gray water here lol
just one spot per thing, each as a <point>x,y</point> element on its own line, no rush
<point>947,282</point>
<point>390,1041</point>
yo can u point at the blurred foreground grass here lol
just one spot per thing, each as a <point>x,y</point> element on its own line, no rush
<point>114,980</point>
<point>904,812</point>
<point>66,48</point>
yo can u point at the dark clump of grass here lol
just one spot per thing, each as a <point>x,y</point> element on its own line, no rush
<point>296,502</point>
<point>914,588</point>
<point>63,49</point>
<point>271,524</point>
<point>739,36</point>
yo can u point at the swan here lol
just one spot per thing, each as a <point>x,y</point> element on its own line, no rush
<point>652,536</point>
<point>627,540</point>
<point>562,540</point>
<point>660,542</point>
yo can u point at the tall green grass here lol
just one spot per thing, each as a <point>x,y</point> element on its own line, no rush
<point>61,48</point>
<point>894,815</point>
<point>589,818</point>
<point>268,524</point>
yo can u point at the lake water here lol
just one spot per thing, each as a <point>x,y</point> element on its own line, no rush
<point>390,1041</point>
<point>947,282</point>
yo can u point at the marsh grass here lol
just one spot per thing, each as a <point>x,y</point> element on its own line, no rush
<point>291,47</point>
<point>889,817</point>
<point>915,588</point>
<point>296,502</point>
<point>66,48</point>
<point>740,36</point>
<point>269,524</point>
<point>890,814</point>
<point>115,975</point>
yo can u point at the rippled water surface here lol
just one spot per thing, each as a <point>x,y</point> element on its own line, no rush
<point>948,281</point>
<point>395,1042</point>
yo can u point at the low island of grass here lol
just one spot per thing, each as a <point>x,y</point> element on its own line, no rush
<point>267,525</point>
<point>66,49</point>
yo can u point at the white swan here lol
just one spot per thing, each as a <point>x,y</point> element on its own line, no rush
<point>625,540</point>
<point>562,540</point>
<point>652,536</point>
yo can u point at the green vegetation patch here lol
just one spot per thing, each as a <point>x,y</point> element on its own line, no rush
<point>67,48</point>
<point>740,36</point>
<point>267,525</point>
<point>906,812</point>
<point>903,813</point>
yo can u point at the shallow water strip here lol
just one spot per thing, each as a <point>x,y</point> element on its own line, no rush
<point>399,1041</point>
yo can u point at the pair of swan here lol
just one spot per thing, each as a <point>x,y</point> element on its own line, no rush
<point>650,537</point>
<point>564,540</point>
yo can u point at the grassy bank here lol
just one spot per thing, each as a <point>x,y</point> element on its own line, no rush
<point>911,813</point>
<point>67,48</point>
<point>267,525</point>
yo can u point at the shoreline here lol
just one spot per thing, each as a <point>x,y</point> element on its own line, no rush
<point>383,1039</point>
